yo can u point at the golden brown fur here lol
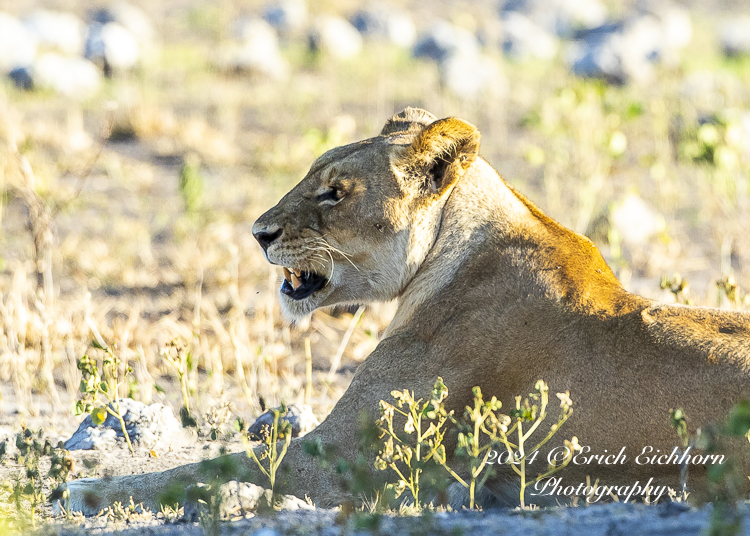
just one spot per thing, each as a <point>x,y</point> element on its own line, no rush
<point>491,292</point>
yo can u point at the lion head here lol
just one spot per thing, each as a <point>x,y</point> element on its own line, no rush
<point>361,222</point>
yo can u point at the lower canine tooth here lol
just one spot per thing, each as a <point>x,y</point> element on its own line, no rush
<point>296,283</point>
<point>298,273</point>
<point>287,275</point>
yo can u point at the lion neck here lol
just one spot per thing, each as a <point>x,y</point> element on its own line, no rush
<point>487,226</point>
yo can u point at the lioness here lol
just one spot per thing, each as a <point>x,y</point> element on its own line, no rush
<point>491,292</point>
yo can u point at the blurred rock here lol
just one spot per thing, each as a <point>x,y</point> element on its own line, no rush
<point>469,75</point>
<point>57,31</point>
<point>626,50</point>
<point>73,77</point>
<point>17,44</point>
<point>619,52</point>
<point>676,27</point>
<point>300,416</point>
<point>523,39</point>
<point>288,17</point>
<point>380,22</point>
<point>603,53</point>
<point>112,47</point>
<point>463,68</point>
<point>131,18</point>
<point>152,427</point>
<point>22,78</point>
<point>258,51</point>
<point>443,40</point>
<point>238,498</point>
<point>336,37</point>
<point>635,222</point>
<point>558,17</point>
<point>735,37</point>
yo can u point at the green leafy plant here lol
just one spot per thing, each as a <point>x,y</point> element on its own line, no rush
<point>24,496</point>
<point>480,431</point>
<point>407,451</point>
<point>725,482</point>
<point>279,432</point>
<point>191,185</point>
<point>678,286</point>
<point>181,360</point>
<point>478,421</point>
<point>533,410</point>
<point>104,383</point>
<point>729,287</point>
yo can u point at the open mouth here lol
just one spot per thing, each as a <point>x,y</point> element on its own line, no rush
<point>299,284</point>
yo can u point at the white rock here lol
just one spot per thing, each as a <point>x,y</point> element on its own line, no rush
<point>287,16</point>
<point>735,37</point>
<point>619,52</point>
<point>17,44</point>
<point>131,18</point>
<point>443,40</point>
<point>54,30</point>
<point>559,17</point>
<point>523,39</point>
<point>112,46</point>
<point>470,75</point>
<point>336,37</point>
<point>380,22</point>
<point>72,77</point>
<point>636,222</point>
<point>151,426</point>
<point>675,26</point>
<point>257,52</point>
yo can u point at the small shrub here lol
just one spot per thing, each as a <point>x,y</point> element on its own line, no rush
<point>181,360</point>
<point>105,382</point>
<point>422,436</point>
<point>280,431</point>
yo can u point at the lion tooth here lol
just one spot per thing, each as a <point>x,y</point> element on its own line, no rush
<point>298,273</point>
<point>287,274</point>
<point>296,283</point>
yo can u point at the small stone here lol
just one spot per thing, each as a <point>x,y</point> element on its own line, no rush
<point>382,23</point>
<point>735,37</point>
<point>288,17</point>
<point>444,39</point>
<point>151,427</point>
<point>300,416</point>
<point>130,17</point>
<point>17,44</point>
<point>562,18</point>
<point>239,498</point>
<point>57,31</point>
<point>469,75</point>
<point>73,77</point>
<point>524,39</point>
<point>112,47</point>
<point>336,37</point>
<point>636,222</point>
<point>257,51</point>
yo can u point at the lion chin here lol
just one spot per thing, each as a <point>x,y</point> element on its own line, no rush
<point>491,293</point>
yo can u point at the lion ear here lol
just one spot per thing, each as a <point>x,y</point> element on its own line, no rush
<point>441,153</point>
<point>407,121</point>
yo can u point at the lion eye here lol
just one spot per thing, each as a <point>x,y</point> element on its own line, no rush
<point>333,194</point>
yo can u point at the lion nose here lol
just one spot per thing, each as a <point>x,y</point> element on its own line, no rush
<point>265,235</point>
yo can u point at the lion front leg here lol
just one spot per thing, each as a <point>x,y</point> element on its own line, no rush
<point>300,475</point>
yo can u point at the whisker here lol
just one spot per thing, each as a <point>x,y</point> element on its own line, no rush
<point>336,250</point>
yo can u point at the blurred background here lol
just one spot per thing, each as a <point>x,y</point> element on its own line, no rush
<point>139,141</point>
